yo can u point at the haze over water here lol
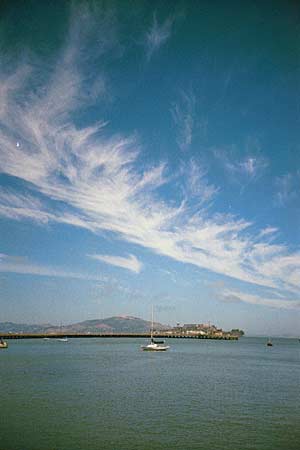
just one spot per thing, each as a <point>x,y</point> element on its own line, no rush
<point>106,394</point>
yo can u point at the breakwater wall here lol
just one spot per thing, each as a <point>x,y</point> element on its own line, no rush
<point>113,335</point>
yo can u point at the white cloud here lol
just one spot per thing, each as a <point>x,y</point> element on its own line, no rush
<point>196,185</point>
<point>183,113</point>
<point>287,189</point>
<point>130,263</point>
<point>232,296</point>
<point>10,81</point>
<point>249,167</point>
<point>157,35</point>
<point>18,206</point>
<point>90,178</point>
<point>268,231</point>
<point>18,264</point>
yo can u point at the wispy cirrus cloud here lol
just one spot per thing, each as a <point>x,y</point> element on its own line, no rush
<point>88,177</point>
<point>157,35</point>
<point>130,263</point>
<point>21,265</point>
<point>233,296</point>
<point>19,205</point>
<point>268,232</point>
<point>196,186</point>
<point>287,188</point>
<point>183,114</point>
<point>250,167</point>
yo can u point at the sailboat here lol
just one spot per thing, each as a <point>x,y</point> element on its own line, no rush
<point>269,343</point>
<point>3,344</point>
<point>62,339</point>
<point>153,346</point>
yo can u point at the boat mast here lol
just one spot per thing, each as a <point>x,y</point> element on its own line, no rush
<point>151,334</point>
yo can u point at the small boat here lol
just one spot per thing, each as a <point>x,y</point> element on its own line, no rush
<point>64,338</point>
<point>3,344</point>
<point>46,339</point>
<point>154,346</point>
<point>269,343</point>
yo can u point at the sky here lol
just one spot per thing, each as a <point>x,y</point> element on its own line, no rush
<point>149,155</point>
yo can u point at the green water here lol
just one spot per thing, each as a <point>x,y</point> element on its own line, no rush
<point>91,394</point>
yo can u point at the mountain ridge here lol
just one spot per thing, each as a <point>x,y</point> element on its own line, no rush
<point>114,324</point>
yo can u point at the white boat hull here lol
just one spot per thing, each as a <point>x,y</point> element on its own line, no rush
<point>154,348</point>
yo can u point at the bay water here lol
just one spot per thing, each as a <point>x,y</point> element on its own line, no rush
<point>105,393</point>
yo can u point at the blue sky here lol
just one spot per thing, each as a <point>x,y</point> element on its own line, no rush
<point>149,154</point>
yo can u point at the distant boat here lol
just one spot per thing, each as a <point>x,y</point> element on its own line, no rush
<point>62,339</point>
<point>269,343</point>
<point>154,346</point>
<point>46,339</point>
<point>3,344</point>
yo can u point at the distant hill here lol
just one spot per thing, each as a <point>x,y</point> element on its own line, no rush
<point>118,324</point>
<point>11,327</point>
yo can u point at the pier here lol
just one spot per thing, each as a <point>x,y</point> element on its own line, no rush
<point>161,335</point>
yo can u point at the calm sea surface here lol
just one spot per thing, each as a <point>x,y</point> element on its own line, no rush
<point>91,394</point>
